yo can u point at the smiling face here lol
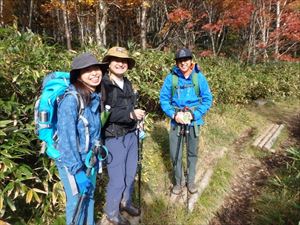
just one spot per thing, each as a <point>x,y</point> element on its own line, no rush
<point>91,76</point>
<point>184,64</point>
<point>118,66</point>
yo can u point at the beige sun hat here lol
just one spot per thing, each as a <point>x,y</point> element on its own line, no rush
<point>119,52</point>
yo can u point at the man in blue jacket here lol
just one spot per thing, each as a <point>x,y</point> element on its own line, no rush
<point>185,97</point>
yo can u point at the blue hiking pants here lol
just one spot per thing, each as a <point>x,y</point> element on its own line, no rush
<point>121,167</point>
<point>176,154</point>
<point>86,215</point>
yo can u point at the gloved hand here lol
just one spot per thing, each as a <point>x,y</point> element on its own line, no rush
<point>83,182</point>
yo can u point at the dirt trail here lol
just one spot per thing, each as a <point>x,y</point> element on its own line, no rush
<point>236,209</point>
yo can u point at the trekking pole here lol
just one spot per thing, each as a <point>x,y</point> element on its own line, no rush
<point>82,197</point>
<point>140,135</point>
<point>180,132</point>
<point>186,134</point>
<point>139,164</point>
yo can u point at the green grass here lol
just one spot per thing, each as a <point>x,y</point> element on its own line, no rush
<point>280,199</point>
<point>224,124</point>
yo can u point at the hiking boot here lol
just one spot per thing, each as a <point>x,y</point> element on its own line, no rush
<point>192,188</point>
<point>118,220</point>
<point>131,210</point>
<point>177,189</point>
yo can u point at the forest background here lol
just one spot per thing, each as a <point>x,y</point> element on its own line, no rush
<point>248,50</point>
<point>248,30</point>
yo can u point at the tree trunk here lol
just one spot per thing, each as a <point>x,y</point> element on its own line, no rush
<point>209,12</point>
<point>103,22</point>
<point>276,50</point>
<point>1,13</point>
<point>30,14</point>
<point>220,39</point>
<point>97,28</point>
<point>66,25</point>
<point>278,20</point>
<point>144,25</point>
<point>80,27</point>
<point>57,27</point>
<point>252,39</point>
<point>264,25</point>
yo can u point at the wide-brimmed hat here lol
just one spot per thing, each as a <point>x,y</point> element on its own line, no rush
<point>82,61</point>
<point>119,52</point>
<point>183,53</point>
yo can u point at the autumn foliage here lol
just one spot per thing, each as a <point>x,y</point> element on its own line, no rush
<point>247,30</point>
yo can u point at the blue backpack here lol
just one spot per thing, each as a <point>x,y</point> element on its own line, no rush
<point>54,88</point>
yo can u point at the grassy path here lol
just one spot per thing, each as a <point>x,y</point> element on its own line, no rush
<point>229,133</point>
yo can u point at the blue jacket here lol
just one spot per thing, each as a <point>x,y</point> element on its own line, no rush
<point>70,130</point>
<point>185,95</point>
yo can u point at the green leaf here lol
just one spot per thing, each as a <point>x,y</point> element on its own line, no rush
<point>36,197</point>
<point>25,170</point>
<point>4,123</point>
<point>9,187</point>
<point>15,78</point>
<point>10,204</point>
<point>29,196</point>
<point>1,202</point>
<point>40,191</point>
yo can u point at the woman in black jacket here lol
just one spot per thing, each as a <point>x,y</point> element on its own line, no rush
<point>120,135</point>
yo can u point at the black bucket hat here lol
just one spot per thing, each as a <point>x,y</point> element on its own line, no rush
<point>82,61</point>
<point>183,53</point>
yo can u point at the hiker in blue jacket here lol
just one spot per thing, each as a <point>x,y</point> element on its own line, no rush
<point>120,136</point>
<point>76,138</point>
<point>185,97</point>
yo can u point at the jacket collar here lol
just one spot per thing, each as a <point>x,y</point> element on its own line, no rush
<point>177,71</point>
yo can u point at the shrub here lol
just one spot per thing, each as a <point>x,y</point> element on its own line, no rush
<point>31,180</point>
<point>26,178</point>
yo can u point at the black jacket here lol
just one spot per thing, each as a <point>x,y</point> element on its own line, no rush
<point>122,103</point>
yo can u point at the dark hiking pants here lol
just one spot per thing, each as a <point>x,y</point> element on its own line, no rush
<point>175,152</point>
<point>121,167</point>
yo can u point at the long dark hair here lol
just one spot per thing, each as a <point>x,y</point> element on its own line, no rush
<point>84,91</point>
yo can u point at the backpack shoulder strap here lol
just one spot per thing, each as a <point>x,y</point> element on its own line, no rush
<point>196,83</point>
<point>194,80</point>
<point>174,83</point>
<point>80,104</point>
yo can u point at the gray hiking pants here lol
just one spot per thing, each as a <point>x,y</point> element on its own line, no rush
<point>176,154</point>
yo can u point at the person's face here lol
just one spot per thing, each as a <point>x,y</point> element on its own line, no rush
<point>91,76</point>
<point>118,66</point>
<point>184,64</point>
